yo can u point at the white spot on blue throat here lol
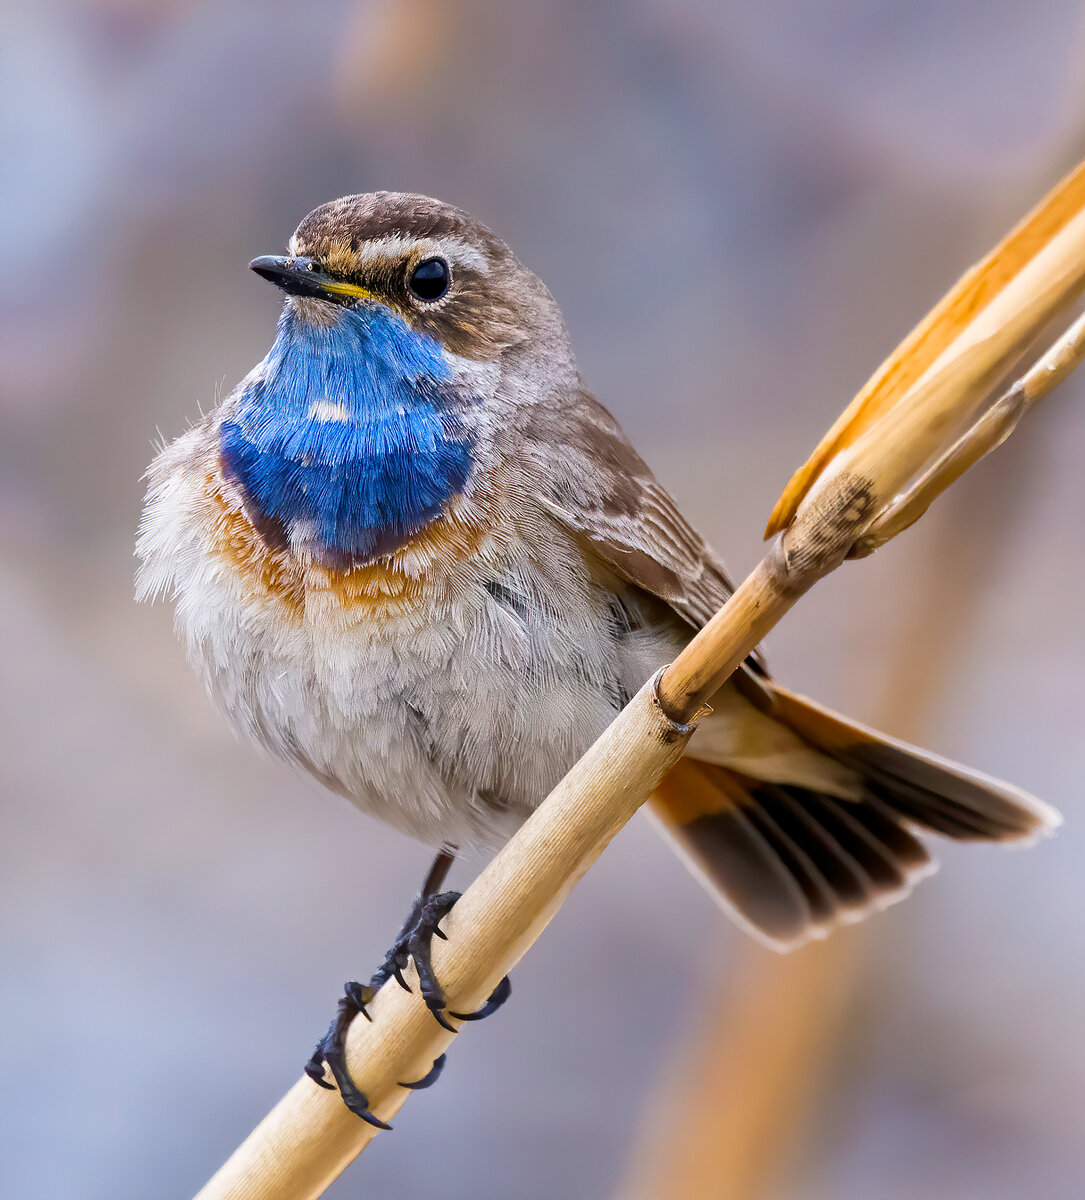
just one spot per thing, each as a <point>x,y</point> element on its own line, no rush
<point>328,410</point>
<point>349,434</point>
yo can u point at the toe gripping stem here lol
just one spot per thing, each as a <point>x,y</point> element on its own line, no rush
<point>331,1049</point>
<point>415,941</point>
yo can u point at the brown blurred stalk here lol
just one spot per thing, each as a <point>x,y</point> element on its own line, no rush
<point>747,1082</point>
<point>725,1122</point>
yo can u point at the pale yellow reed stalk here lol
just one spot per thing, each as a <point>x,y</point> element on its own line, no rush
<point>1038,260</point>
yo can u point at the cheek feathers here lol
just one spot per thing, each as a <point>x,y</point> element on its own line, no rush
<point>482,316</point>
<point>485,311</point>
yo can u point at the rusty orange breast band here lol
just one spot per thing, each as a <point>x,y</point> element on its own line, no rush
<point>384,587</point>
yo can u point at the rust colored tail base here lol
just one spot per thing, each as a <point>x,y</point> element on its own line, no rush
<point>790,862</point>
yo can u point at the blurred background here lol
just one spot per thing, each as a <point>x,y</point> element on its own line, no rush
<point>741,207</point>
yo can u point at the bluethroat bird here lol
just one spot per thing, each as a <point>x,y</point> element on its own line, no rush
<point>412,553</point>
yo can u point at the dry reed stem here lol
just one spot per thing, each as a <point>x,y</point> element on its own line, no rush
<point>309,1138</point>
<point>751,1081</point>
<point>936,339</point>
<point>895,430</point>
<point>987,434</point>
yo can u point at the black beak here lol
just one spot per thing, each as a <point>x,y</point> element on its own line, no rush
<point>296,276</point>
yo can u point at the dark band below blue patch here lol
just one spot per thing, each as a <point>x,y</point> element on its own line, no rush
<point>348,435</point>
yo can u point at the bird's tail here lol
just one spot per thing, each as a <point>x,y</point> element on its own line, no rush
<point>819,828</point>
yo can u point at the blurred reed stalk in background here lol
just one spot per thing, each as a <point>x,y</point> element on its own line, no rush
<point>738,1100</point>
<point>726,1120</point>
<point>880,448</point>
<point>748,1084</point>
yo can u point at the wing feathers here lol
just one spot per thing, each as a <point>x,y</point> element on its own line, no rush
<point>604,494</point>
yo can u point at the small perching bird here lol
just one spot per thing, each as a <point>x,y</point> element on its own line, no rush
<point>411,552</point>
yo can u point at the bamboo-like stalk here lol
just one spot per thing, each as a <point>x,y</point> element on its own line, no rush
<point>308,1138</point>
<point>987,434</point>
<point>935,340</point>
<point>902,419</point>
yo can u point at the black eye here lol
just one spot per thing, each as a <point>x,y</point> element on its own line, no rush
<point>430,279</point>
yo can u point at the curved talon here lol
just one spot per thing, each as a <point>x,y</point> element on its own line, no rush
<point>349,1092</point>
<point>413,941</point>
<point>418,946</point>
<point>441,1019</point>
<point>330,1051</point>
<point>495,1000</point>
<point>352,1096</point>
<point>359,995</point>
<point>431,1076</point>
<point>314,1068</point>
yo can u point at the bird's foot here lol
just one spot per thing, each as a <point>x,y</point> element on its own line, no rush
<point>331,1049</point>
<point>415,941</point>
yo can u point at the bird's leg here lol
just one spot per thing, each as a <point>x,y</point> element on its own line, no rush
<point>395,961</point>
<point>414,941</point>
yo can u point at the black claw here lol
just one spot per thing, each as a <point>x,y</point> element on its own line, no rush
<point>431,1076</point>
<point>414,942</point>
<point>418,946</point>
<point>442,1020</point>
<point>359,995</point>
<point>357,1103</point>
<point>352,1096</point>
<point>330,1051</point>
<point>314,1068</point>
<point>496,998</point>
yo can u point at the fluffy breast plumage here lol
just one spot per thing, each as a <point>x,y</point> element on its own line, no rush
<point>444,687</point>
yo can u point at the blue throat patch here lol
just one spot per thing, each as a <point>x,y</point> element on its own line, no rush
<point>349,435</point>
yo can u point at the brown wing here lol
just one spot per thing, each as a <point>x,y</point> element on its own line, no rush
<point>603,492</point>
<point>653,548</point>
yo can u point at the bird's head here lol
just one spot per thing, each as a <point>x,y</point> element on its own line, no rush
<point>432,266</point>
<point>409,331</point>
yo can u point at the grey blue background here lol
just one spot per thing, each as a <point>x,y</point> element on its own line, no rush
<point>741,207</point>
